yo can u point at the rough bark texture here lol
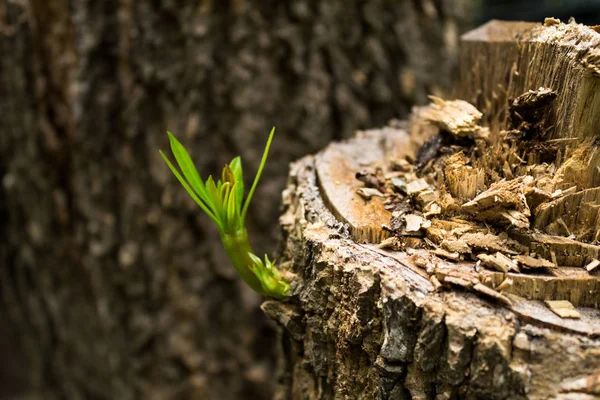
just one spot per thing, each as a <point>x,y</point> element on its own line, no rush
<point>430,307</point>
<point>113,286</point>
<point>366,324</point>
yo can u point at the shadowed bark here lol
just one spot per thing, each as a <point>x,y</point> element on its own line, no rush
<point>114,286</point>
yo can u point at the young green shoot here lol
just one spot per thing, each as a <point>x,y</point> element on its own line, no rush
<point>223,202</point>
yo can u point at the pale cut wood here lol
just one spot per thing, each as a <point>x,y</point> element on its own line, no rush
<point>337,167</point>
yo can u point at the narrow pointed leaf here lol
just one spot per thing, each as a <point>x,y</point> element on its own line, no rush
<point>236,168</point>
<point>190,191</point>
<point>231,208</point>
<point>187,165</point>
<point>258,174</point>
<point>213,194</point>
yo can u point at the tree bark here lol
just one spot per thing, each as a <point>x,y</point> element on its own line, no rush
<point>113,285</point>
<point>494,292</point>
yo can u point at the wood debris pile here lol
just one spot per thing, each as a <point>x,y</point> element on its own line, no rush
<point>512,199</point>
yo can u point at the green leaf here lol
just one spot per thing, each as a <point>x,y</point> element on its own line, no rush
<point>190,191</point>
<point>232,210</point>
<point>213,194</point>
<point>258,174</point>
<point>187,165</point>
<point>236,168</point>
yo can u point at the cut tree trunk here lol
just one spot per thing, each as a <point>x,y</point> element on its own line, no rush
<point>113,284</point>
<point>456,255</point>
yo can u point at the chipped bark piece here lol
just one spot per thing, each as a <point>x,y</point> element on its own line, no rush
<point>563,308</point>
<point>456,246</point>
<point>446,254</point>
<point>432,209</point>
<point>413,222</point>
<point>550,21</point>
<point>370,179</point>
<point>416,186</point>
<point>499,261</point>
<point>592,265</point>
<point>529,262</point>
<point>427,196</point>
<point>367,193</point>
<point>428,151</point>
<point>399,184</point>
<point>486,241</point>
<point>441,229</point>
<point>558,193</point>
<point>504,202</point>
<point>457,117</point>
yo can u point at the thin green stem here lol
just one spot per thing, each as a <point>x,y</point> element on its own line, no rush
<point>258,174</point>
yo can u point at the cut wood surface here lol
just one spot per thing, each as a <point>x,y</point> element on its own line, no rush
<point>455,255</point>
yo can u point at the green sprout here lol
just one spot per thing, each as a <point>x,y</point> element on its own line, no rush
<point>224,203</point>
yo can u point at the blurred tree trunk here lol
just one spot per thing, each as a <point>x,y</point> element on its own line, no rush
<point>113,285</point>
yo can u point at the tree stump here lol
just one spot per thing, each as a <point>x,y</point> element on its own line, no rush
<point>455,255</point>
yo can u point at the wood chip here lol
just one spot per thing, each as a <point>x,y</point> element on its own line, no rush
<point>456,246</point>
<point>456,281</point>
<point>563,309</point>
<point>392,243</point>
<point>499,262</point>
<point>504,202</point>
<point>457,116</point>
<point>436,283</point>
<point>367,193</point>
<point>486,241</point>
<point>529,262</point>
<point>593,265</point>
<point>505,284</point>
<point>413,222</point>
<point>446,254</point>
<point>427,196</point>
<point>416,186</point>
<point>432,209</point>
<point>489,292</point>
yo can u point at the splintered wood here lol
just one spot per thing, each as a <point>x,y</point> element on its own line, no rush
<point>513,185</point>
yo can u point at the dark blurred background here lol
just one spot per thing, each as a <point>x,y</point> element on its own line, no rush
<point>584,11</point>
<point>113,285</point>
